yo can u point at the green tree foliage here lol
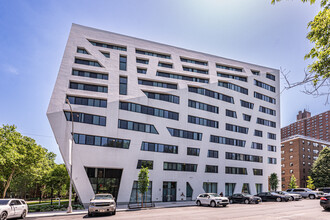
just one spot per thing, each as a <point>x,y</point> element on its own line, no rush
<point>143,181</point>
<point>293,182</point>
<point>273,181</point>
<point>321,169</point>
<point>310,183</point>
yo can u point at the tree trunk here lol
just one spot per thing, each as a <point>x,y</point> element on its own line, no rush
<point>8,183</point>
<point>142,199</point>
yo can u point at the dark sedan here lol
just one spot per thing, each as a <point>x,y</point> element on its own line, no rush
<point>244,198</point>
<point>271,196</point>
<point>325,202</point>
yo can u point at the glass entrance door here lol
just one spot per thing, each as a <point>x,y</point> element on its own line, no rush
<point>169,191</point>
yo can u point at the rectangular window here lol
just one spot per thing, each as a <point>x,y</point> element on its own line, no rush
<point>142,71</point>
<point>82,50</point>
<point>185,134</point>
<point>203,121</point>
<point>136,195</point>
<point>233,87</point>
<point>157,84</point>
<point>137,126</point>
<point>87,62</point>
<point>106,54</point>
<point>182,77</point>
<point>101,141</point>
<point>258,133</point>
<point>257,146</point>
<point>151,53</point>
<point>236,170</point>
<point>180,167</point>
<point>163,97</point>
<point>267,110</point>
<point>86,118</point>
<point>257,172</point>
<point>227,141</point>
<point>266,122</point>
<point>162,148</point>
<point>122,63</point>
<point>264,98</point>
<point>203,106</point>
<point>87,101</point>
<point>229,189</point>
<point>257,73</point>
<point>211,94</point>
<point>258,188</point>
<point>165,65</point>
<point>272,148</point>
<point>271,136</point>
<point>213,153</point>
<point>146,164</point>
<point>270,76</point>
<point>231,113</point>
<point>90,74</point>
<point>246,117</point>
<point>193,151</point>
<point>264,85</point>
<point>88,87</point>
<point>229,68</point>
<point>128,106</point>
<point>241,78</point>
<point>107,45</point>
<point>142,61</point>
<point>122,85</point>
<point>243,157</point>
<point>194,70</point>
<point>211,169</point>
<point>271,160</point>
<point>198,62</point>
<point>210,187</point>
<point>236,128</point>
<point>247,104</point>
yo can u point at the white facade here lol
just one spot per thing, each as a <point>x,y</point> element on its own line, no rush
<point>126,159</point>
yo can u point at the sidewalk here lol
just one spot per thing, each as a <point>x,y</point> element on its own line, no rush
<point>120,208</point>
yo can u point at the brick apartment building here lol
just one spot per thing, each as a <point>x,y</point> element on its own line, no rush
<point>316,127</point>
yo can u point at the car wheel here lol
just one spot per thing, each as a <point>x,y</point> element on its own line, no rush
<point>246,201</point>
<point>3,216</point>
<point>23,215</point>
<point>90,214</point>
<point>278,199</point>
<point>198,203</point>
<point>114,212</point>
<point>291,198</point>
<point>311,196</point>
<point>224,205</point>
<point>257,202</point>
<point>213,204</point>
<point>231,201</point>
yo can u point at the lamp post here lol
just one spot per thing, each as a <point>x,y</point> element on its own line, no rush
<point>70,159</point>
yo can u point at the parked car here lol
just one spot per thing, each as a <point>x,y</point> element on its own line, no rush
<point>211,199</point>
<point>13,208</point>
<point>272,196</point>
<point>324,189</point>
<point>325,202</point>
<point>244,198</point>
<point>102,203</point>
<point>305,192</point>
<point>293,197</point>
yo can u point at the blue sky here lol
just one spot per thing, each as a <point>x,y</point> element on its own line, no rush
<point>34,33</point>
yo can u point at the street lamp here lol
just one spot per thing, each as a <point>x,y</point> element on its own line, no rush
<point>70,159</point>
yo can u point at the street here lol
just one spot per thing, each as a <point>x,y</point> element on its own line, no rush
<point>302,210</point>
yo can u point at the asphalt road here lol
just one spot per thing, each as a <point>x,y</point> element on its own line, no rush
<point>302,210</point>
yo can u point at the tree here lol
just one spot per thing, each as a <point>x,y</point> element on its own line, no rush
<point>318,75</point>
<point>321,169</point>
<point>293,183</point>
<point>18,155</point>
<point>310,182</point>
<point>143,182</point>
<point>273,181</point>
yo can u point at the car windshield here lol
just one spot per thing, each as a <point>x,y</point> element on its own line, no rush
<point>283,192</point>
<point>97,197</point>
<point>309,190</point>
<point>246,194</point>
<point>275,194</point>
<point>213,195</point>
<point>4,201</point>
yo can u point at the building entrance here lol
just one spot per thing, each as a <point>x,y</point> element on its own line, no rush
<point>169,191</point>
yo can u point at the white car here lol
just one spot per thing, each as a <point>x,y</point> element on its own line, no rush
<point>13,208</point>
<point>294,197</point>
<point>211,199</point>
<point>102,203</point>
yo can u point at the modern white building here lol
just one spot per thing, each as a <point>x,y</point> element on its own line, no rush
<point>199,122</point>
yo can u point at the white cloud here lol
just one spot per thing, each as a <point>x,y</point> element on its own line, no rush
<point>11,69</point>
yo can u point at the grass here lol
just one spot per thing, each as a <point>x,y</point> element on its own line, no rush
<point>54,207</point>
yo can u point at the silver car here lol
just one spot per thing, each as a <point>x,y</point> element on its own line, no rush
<point>293,197</point>
<point>13,208</point>
<point>305,192</point>
<point>103,204</point>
